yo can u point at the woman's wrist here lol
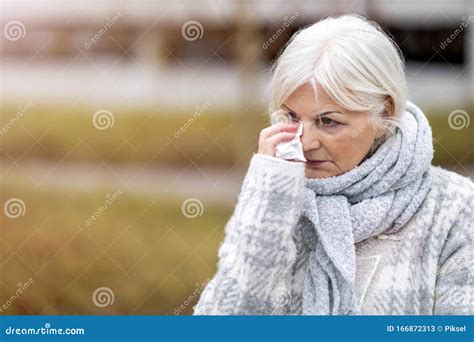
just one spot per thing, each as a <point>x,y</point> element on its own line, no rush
<point>277,165</point>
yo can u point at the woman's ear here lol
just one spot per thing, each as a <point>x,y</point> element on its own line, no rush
<point>387,113</point>
<point>388,110</point>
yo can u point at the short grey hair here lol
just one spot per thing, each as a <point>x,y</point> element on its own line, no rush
<point>352,59</point>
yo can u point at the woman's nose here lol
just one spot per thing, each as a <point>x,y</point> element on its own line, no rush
<point>309,139</point>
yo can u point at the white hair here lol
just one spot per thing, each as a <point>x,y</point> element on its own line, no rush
<point>351,58</point>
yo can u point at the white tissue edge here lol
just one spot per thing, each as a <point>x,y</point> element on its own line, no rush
<point>293,149</point>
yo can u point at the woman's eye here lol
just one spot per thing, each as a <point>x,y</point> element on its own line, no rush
<point>293,117</point>
<point>328,122</point>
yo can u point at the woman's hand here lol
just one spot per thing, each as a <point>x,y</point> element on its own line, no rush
<point>271,136</point>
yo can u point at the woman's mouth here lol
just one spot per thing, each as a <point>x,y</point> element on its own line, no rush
<point>315,164</point>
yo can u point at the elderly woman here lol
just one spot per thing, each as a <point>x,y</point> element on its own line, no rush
<point>365,225</point>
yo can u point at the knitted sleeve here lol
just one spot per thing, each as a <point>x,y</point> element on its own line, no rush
<point>254,271</point>
<point>454,292</point>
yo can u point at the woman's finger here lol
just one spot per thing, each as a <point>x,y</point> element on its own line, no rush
<point>280,137</point>
<point>278,128</point>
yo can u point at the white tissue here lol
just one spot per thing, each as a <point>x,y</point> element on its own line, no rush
<point>293,149</point>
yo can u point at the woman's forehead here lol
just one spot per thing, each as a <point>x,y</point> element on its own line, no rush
<point>309,99</point>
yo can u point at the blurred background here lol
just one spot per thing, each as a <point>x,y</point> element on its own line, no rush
<point>127,126</point>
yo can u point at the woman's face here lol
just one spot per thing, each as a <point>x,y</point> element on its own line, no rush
<point>334,139</point>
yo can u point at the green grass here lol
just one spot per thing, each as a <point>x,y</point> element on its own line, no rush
<point>152,268</point>
<point>139,136</point>
<point>452,146</point>
<point>146,136</point>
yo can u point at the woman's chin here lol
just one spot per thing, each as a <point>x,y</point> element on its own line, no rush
<point>320,173</point>
<point>316,174</point>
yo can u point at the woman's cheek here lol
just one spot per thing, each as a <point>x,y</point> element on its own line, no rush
<point>348,151</point>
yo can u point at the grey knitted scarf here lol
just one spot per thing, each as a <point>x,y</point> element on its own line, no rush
<point>379,195</point>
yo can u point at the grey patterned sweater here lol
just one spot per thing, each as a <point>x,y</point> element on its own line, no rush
<point>424,269</point>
